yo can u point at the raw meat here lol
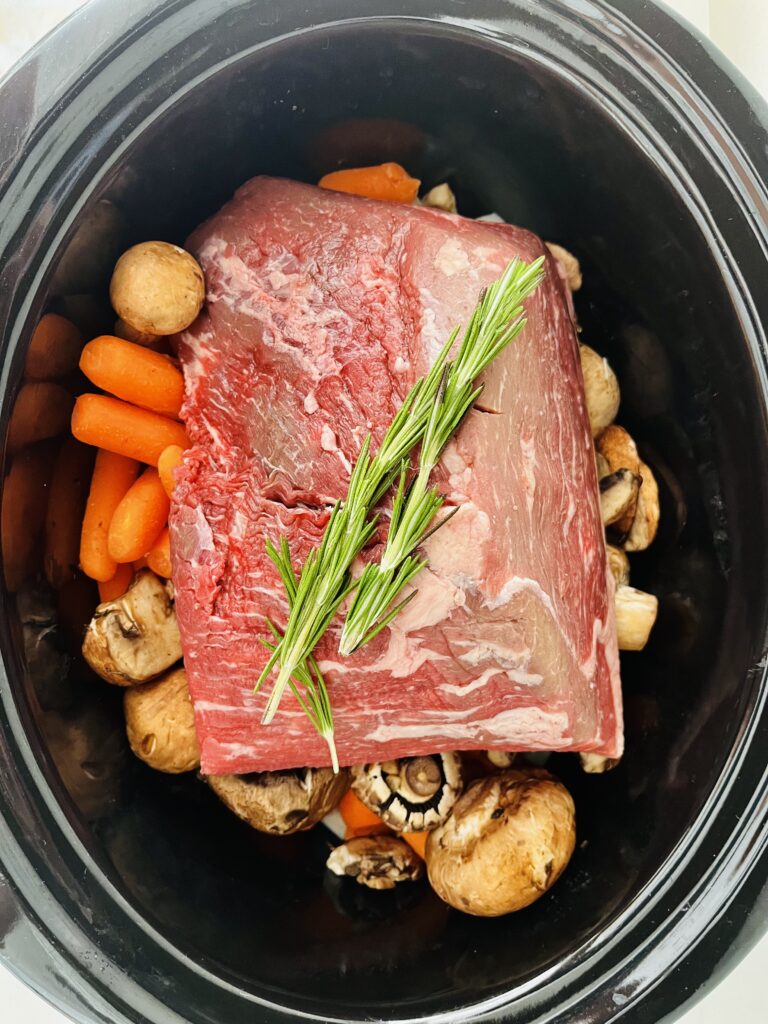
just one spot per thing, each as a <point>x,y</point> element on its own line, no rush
<point>322,311</point>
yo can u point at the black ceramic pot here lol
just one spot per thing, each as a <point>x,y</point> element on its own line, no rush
<point>128,896</point>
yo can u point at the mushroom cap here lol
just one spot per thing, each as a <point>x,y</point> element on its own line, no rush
<point>378,862</point>
<point>136,637</point>
<point>160,724</point>
<point>157,288</point>
<point>507,840</point>
<point>281,802</point>
<point>413,793</point>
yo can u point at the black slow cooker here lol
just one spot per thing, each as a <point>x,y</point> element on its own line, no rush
<point>612,128</point>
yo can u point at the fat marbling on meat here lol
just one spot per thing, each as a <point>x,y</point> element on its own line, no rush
<point>322,310</point>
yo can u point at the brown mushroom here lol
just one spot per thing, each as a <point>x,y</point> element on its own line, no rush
<point>160,724</point>
<point>506,842</point>
<point>569,263</point>
<point>501,758</point>
<point>412,794</point>
<point>596,764</point>
<point>620,452</point>
<point>124,330</point>
<point>440,197</point>
<point>636,613</point>
<point>618,495</point>
<point>378,862</point>
<point>647,514</point>
<point>281,802</point>
<point>603,469</point>
<point>136,637</point>
<point>157,288</point>
<point>601,390</point>
<point>618,563</point>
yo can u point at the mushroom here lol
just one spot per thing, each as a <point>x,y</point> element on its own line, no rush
<point>124,330</point>
<point>618,494</point>
<point>601,390</point>
<point>603,469</point>
<point>412,794</point>
<point>501,758</point>
<point>440,197</point>
<point>647,514</point>
<point>620,452</point>
<point>596,764</point>
<point>157,288</point>
<point>281,802</point>
<point>136,637</point>
<point>569,263</point>
<point>635,615</point>
<point>378,862</point>
<point>618,563</point>
<point>506,842</point>
<point>160,724</point>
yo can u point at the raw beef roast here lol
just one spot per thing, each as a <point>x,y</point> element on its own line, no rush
<point>322,311</point>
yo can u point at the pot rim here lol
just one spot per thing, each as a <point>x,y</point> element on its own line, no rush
<point>736,837</point>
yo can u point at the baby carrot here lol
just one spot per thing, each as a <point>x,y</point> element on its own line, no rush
<point>25,490</point>
<point>110,590</point>
<point>385,181</point>
<point>417,841</point>
<point>159,558</point>
<point>124,429</point>
<point>41,411</point>
<point>64,517</point>
<point>113,475</point>
<point>169,459</point>
<point>54,348</point>
<point>138,519</point>
<point>140,563</point>
<point>134,373</point>
<point>359,820</point>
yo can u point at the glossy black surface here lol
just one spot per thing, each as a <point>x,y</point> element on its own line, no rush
<point>627,143</point>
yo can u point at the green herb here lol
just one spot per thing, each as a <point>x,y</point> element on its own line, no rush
<point>431,412</point>
<point>496,321</point>
<point>325,579</point>
<point>308,684</point>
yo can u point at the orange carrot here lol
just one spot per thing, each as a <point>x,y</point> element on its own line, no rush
<point>417,841</point>
<point>134,373</point>
<point>113,475</point>
<point>25,492</point>
<point>140,563</point>
<point>63,521</point>
<point>138,519</point>
<point>159,558</point>
<point>385,181</point>
<point>41,410</point>
<point>110,590</point>
<point>360,821</point>
<point>54,348</point>
<point>124,429</point>
<point>169,459</point>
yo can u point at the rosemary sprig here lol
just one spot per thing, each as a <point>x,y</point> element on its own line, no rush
<point>308,685</point>
<point>496,321</point>
<point>432,410</point>
<point>325,579</point>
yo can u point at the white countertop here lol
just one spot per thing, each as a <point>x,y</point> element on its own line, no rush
<point>740,27</point>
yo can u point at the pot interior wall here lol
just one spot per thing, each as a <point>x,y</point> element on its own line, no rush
<point>518,139</point>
